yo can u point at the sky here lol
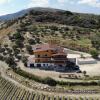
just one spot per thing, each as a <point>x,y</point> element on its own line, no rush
<point>83,6</point>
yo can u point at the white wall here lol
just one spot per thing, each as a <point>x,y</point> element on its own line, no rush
<point>42,64</point>
<point>83,62</point>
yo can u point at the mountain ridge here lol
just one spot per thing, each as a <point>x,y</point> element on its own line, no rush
<point>25,11</point>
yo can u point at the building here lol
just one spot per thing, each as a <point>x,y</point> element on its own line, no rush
<point>47,56</point>
<point>80,58</point>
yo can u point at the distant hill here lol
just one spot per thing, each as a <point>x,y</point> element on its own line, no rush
<point>13,16</point>
<point>57,16</point>
<point>25,11</point>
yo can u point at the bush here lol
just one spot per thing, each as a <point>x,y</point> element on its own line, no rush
<point>5,45</point>
<point>99,82</point>
<point>96,41</point>
<point>37,40</point>
<point>19,43</point>
<point>31,41</point>
<point>94,53</point>
<point>18,36</point>
<point>1,57</point>
<point>14,47</point>
<point>24,60</point>
<point>29,49</point>
<point>10,61</point>
<point>50,81</point>
<point>2,50</point>
<point>16,51</point>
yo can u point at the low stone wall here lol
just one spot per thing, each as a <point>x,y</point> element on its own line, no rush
<point>86,61</point>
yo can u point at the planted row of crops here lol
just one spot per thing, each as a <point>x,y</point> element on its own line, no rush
<point>9,91</point>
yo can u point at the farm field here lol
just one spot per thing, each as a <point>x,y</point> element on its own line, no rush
<point>9,91</point>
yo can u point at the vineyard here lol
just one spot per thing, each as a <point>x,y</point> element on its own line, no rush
<point>9,91</point>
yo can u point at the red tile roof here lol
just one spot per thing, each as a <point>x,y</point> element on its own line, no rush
<point>44,47</point>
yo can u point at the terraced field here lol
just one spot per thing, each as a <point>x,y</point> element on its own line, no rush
<point>9,91</point>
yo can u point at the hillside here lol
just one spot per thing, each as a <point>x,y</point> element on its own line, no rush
<point>57,16</point>
<point>74,30</point>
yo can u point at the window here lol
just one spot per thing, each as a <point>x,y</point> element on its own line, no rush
<point>43,64</point>
<point>38,65</point>
<point>38,56</point>
<point>45,55</point>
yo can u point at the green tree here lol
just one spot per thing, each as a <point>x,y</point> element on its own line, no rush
<point>29,49</point>
<point>18,36</point>
<point>31,41</point>
<point>10,61</point>
<point>96,41</point>
<point>84,72</point>
<point>19,43</point>
<point>99,82</point>
<point>50,81</point>
<point>94,53</point>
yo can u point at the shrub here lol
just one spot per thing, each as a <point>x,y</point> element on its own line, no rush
<point>50,81</point>
<point>19,43</point>
<point>37,40</point>
<point>84,72</point>
<point>5,45</point>
<point>2,50</point>
<point>96,41</point>
<point>99,82</point>
<point>18,36</point>
<point>31,41</point>
<point>24,60</point>
<point>14,47</point>
<point>29,49</point>
<point>16,51</point>
<point>1,58</point>
<point>10,61</point>
<point>94,53</point>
